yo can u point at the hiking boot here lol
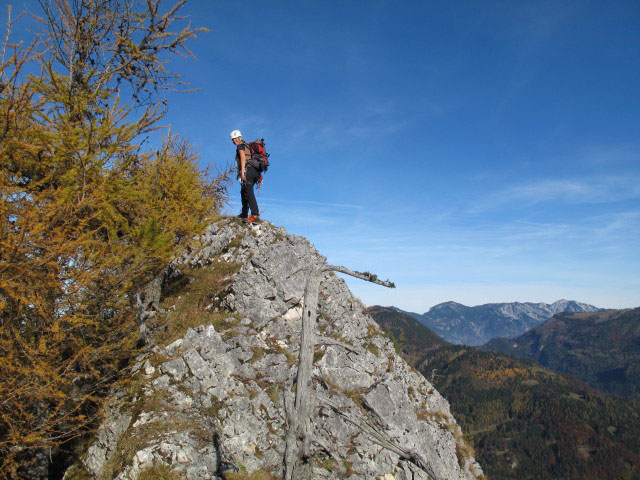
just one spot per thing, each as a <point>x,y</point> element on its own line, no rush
<point>252,219</point>
<point>243,215</point>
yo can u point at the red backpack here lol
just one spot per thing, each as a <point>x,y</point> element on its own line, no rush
<point>259,156</point>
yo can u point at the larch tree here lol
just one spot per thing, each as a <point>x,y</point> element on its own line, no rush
<point>87,214</point>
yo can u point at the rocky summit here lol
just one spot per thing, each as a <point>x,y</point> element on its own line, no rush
<point>215,402</point>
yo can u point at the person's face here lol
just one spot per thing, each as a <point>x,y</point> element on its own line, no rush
<point>237,141</point>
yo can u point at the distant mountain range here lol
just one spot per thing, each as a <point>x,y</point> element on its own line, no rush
<point>464,325</point>
<point>601,348</point>
<point>527,421</point>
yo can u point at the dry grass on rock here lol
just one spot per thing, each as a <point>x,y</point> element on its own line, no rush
<point>192,300</point>
<point>160,472</point>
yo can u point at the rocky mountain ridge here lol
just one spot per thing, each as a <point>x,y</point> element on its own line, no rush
<point>213,402</point>
<point>477,325</point>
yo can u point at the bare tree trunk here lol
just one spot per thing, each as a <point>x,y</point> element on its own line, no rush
<point>299,420</point>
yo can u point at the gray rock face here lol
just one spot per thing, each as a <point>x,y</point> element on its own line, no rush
<point>215,401</point>
<point>116,423</point>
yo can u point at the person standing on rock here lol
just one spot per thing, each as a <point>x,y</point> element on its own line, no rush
<point>248,176</point>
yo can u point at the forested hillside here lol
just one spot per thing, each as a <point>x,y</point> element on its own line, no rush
<point>601,348</point>
<point>525,421</point>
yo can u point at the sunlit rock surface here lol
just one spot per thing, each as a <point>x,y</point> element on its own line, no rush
<point>211,405</point>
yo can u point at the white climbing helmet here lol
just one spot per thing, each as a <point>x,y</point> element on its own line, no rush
<point>235,134</point>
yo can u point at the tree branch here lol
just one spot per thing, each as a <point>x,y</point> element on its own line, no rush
<point>367,276</point>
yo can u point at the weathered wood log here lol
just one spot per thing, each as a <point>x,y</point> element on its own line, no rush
<point>385,441</point>
<point>369,277</point>
<point>299,419</point>
<point>337,343</point>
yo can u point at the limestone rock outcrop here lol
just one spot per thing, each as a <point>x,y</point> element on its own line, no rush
<point>213,403</point>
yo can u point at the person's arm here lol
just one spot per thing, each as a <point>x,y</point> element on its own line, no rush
<point>243,163</point>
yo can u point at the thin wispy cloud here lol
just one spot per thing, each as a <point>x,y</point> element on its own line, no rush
<point>305,203</point>
<point>621,223</point>
<point>611,156</point>
<point>322,132</point>
<point>587,191</point>
<point>531,28</point>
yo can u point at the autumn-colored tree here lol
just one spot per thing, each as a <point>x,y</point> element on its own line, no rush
<point>87,215</point>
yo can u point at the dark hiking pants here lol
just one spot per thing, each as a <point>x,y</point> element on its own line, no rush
<point>247,193</point>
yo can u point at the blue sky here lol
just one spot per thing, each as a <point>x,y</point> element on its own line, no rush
<point>475,151</point>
